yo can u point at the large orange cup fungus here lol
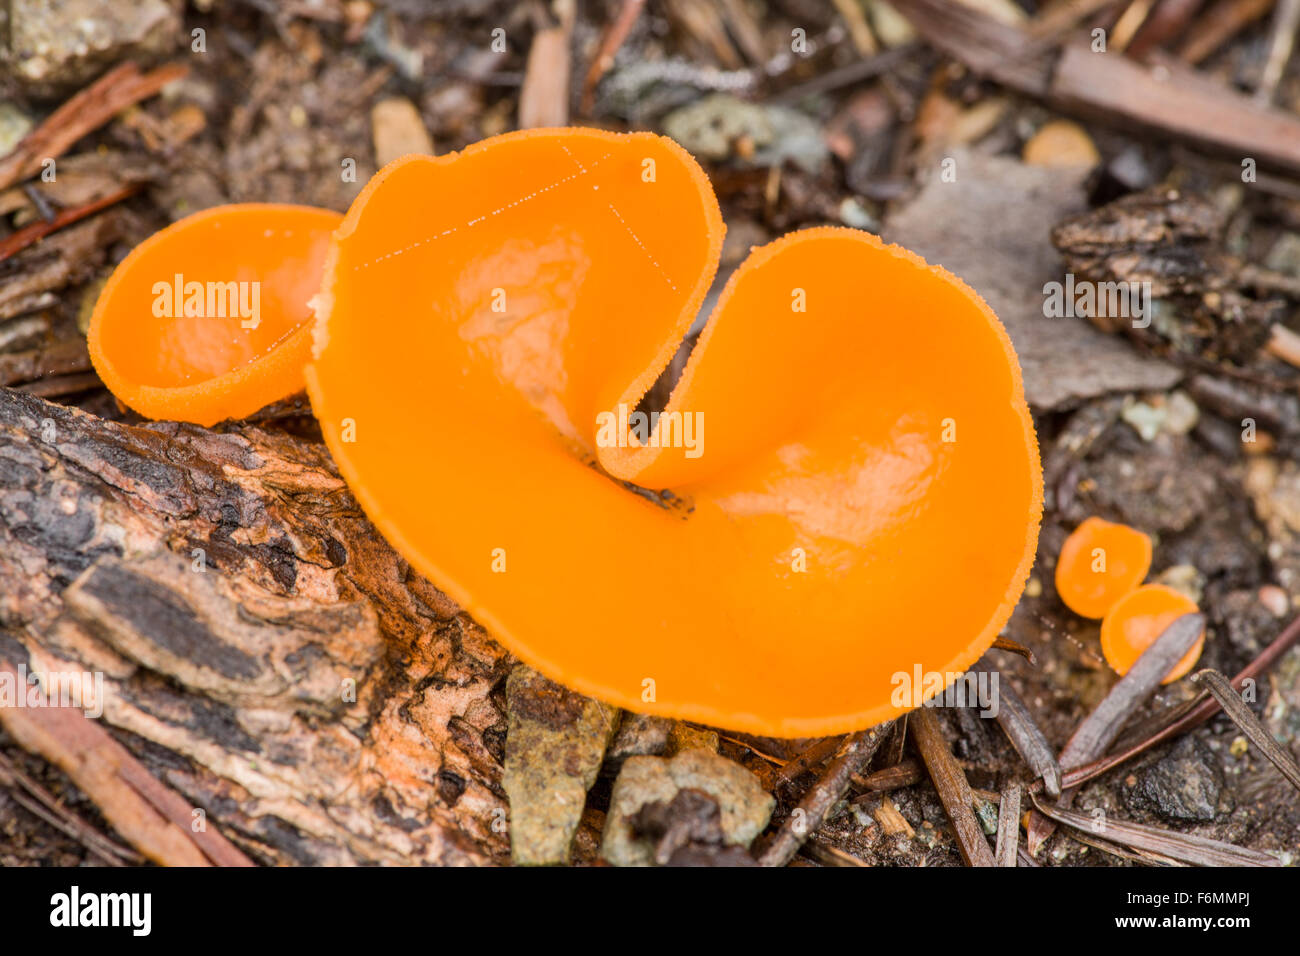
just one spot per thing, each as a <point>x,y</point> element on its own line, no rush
<point>1099,563</point>
<point>854,478</point>
<point>208,319</point>
<point>1137,619</point>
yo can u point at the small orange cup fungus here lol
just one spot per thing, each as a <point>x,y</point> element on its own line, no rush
<point>1137,619</point>
<point>1099,563</point>
<point>208,319</point>
<point>849,438</point>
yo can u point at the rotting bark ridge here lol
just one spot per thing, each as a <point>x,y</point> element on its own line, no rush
<point>265,653</point>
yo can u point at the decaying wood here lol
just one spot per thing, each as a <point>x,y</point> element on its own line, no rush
<point>266,655</point>
<point>66,357</point>
<point>29,280</point>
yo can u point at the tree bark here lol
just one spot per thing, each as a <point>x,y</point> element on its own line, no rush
<point>266,655</point>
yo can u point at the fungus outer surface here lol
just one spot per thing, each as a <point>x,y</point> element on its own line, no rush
<point>863,500</point>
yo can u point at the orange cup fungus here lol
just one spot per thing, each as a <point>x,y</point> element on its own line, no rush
<point>834,514</point>
<point>1135,621</point>
<point>1099,563</point>
<point>208,319</point>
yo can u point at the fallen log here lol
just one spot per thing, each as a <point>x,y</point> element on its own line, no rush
<point>265,655</point>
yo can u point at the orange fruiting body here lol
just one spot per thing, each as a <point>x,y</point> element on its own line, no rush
<point>1100,562</point>
<point>208,319</point>
<point>490,320</point>
<point>1137,619</point>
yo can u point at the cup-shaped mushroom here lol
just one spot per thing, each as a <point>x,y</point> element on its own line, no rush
<point>848,439</point>
<point>208,319</point>
<point>1100,562</point>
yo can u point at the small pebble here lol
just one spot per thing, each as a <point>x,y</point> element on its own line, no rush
<point>1275,600</point>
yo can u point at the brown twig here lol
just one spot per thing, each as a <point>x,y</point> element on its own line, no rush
<point>1057,20</point>
<point>953,788</point>
<point>611,40</point>
<point>85,112</point>
<point>902,774</point>
<point>853,755</point>
<point>1178,846</point>
<point>1166,97</point>
<point>1167,20</point>
<point>1008,826</point>
<point>38,230</point>
<point>1025,735</point>
<point>1230,700</point>
<point>154,818</point>
<point>39,802</point>
<point>807,759</point>
<point>1286,21</point>
<point>1015,647</point>
<point>1218,25</point>
<point>1128,24</point>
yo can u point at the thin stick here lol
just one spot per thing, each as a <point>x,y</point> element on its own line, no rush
<point>1025,735</point>
<point>1286,20</point>
<point>150,815</point>
<point>84,113</point>
<point>902,774</point>
<point>1218,25</point>
<point>953,788</point>
<point>1230,700</point>
<point>853,755</point>
<point>1186,847</point>
<point>41,803</point>
<point>1008,826</point>
<point>807,759</point>
<point>40,228</point>
<point>611,40</point>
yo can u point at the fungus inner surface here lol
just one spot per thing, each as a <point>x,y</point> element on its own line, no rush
<point>213,293</point>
